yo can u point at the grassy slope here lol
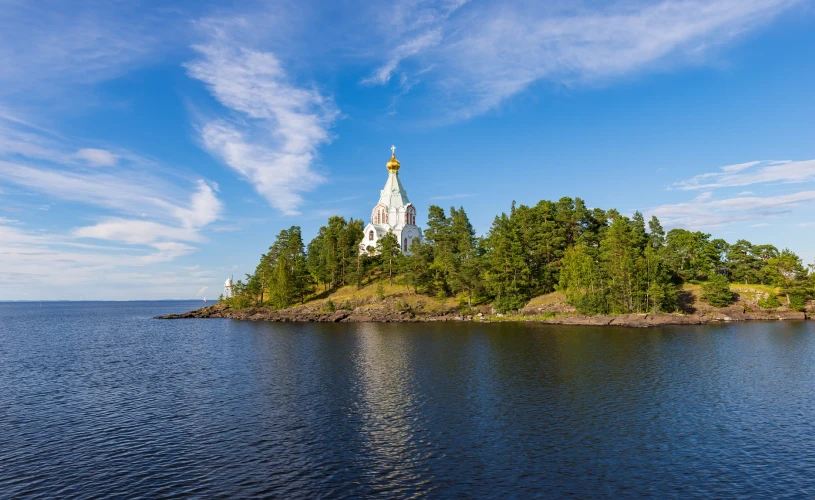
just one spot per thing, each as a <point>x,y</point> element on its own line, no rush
<point>547,305</point>
<point>366,298</point>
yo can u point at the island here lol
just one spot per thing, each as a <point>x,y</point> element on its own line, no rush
<point>554,262</point>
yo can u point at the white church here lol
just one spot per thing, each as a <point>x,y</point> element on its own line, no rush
<point>394,213</point>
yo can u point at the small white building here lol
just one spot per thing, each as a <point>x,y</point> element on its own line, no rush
<point>394,212</point>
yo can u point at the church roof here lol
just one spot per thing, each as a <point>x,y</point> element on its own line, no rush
<point>394,194</point>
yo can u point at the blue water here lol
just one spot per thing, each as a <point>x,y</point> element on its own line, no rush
<point>101,400</point>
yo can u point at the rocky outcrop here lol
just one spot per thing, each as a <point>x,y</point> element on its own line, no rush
<point>389,315</point>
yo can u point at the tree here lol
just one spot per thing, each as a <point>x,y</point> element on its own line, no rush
<point>619,253</point>
<point>464,263</point>
<point>388,250</point>
<point>716,291</point>
<point>742,262</point>
<point>332,254</point>
<point>302,282</point>
<point>692,255</point>
<point>661,295</point>
<point>581,278</point>
<point>506,270</point>
<point>656,235</point>
<point>789,274</point>
<point>415,268</point>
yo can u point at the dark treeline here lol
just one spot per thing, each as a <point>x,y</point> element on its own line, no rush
<point>602,261</point>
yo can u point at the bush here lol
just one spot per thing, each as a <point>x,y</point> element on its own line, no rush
<point>716,292</point>
<point>510,301</point>
<point>380,292</point>
<point>665,296</point>
<point>329,306</point>
<point>769,302</point>
<point>589,303</point>
<point>797,303</point>
<point>403,307</point>
<point>347,305</point>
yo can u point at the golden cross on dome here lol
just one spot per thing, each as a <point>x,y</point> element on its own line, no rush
<point>393,150</point>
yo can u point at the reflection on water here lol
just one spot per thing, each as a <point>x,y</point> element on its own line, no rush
<point>100,399</point>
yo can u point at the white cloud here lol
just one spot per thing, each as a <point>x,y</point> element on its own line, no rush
<point>412,47</point>
<point>135,232</point>
<point>274,127</point>
<point>739,166</point>
<point>97,157</point>
<point>50,45</point>
<point>709,213</point>
<point>753,173</point>
<point>489,52</point>
<point>153,218</point>
<point>129,192</point>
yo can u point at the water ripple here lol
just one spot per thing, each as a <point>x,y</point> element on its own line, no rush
<point>99,400</point>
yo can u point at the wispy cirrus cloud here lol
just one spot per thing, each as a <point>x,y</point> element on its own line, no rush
<point>707,212</point>
<point>97,157</point>
<point>49,45</point>
<point>272,128</point>
<point>715,207</point>
<point>486,53</point>
<point>143,218</point>
<point>756,172</point>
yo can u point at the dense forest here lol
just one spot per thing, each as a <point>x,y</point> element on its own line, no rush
<point>603,261</point>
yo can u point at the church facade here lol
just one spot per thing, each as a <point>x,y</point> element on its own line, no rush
<point>394,213</point>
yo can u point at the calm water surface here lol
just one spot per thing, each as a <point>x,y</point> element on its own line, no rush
<point>99,400</point>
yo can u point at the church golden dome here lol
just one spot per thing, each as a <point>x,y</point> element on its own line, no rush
<point>393,164</point>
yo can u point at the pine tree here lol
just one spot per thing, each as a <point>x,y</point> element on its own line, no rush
<point>789,274</point>
<point>389,251</point>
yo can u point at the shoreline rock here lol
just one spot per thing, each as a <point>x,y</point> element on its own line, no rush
<point>392,316</point>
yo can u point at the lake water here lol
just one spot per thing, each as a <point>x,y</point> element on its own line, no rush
<point>99,399</point>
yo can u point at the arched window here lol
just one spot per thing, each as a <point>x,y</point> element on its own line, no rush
<point>380,215</point>
<point>410,216</point>
<point>370,235</point>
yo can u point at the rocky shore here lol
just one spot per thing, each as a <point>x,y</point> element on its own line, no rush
<point>389,315</point>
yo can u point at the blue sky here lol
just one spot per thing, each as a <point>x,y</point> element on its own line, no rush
<point>148,152</point>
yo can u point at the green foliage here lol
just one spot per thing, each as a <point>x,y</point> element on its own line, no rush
<point>347,305</point>
<point>693,255</point>
<point>403,307</point>
<point>389,252</point>
<point>416,269</point>
<point>329,306</point>
<point>333,255</point>
<point>769,302</point>
<point>602,261</point>
<point>627,274</point>
<point>716,291</point>
<point>788,273</point>
<point>797,302</point>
